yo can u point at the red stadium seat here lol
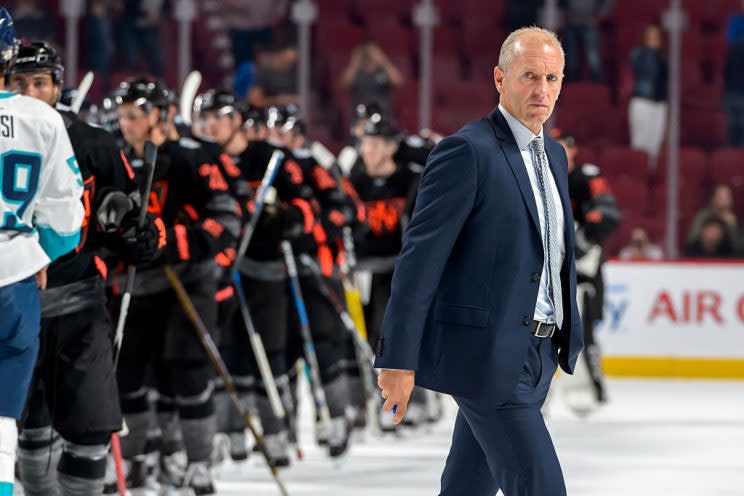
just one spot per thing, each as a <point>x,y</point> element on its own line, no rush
<point>727,166</point>
<point>631,194</point>
<point>466,93</point>
<point>393,39</point>
<point>593,124</point>
<point>337,38</point>
<point>585,94</point>
<point>624,162</point>
<point>464,11</point>
<point>482,38</point>
<point>446,69</point>
<point>693,165</point>
<point>380,12</point>
<point>635,10</point>
<point>446,41</point>
<point>703,127</point>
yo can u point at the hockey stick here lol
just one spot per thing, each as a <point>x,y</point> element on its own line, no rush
<point>365,356</point>
<point>311,358</point>
<point>221,368</point>
<point>188,93</point>
<point>255,338</point>
<point>351,292</point>
<point>150,156</point>
<point>121,482</point>
<point>82,92</point>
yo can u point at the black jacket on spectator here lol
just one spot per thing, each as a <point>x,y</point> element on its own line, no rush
<point>650,73</point>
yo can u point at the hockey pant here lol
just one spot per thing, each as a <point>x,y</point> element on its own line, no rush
<point>159,337</point>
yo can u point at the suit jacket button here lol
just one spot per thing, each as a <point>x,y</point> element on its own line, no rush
<point>535,276</point>
<point>526,320</point>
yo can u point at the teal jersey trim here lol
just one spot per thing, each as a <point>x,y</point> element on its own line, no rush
<point>57,244</point>
<point>6,94</point>
<point>6,488</point>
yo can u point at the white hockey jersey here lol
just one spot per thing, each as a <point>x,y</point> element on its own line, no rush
<point>40,188</point>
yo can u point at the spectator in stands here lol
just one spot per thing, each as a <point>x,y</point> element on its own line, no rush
<point>276,78</point>
<point>251,24</point>
<point>647,113</point>
<point>99,36</point>
<point>734,79</point>
<point>640,247</point>
<point>139,34</point>
<point>581,28</point>
<point>32,21</point>
<point>721,207</point>
<point>371,77</point>
<point>714,241</point>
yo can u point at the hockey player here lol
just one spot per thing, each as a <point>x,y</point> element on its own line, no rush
<point>191,196</point>
<point>336,208</point>
<point>387,185</point>
<point>262,271</point>
<point>40,219</point>
<point>596,215</point>
<point>73,366</point>
<point>413,148</point>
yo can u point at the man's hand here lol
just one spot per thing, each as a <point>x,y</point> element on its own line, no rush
<point>41,278</point>
<point>396,386</point>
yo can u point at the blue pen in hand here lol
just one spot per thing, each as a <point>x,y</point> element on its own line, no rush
<point>395,409</point>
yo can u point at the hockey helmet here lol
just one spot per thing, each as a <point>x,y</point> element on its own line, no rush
<point>39,57</point>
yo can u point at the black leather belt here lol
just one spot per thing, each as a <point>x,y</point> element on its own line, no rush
<point>543,329</point>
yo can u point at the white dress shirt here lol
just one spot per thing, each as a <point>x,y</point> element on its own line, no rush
<point>544,307</point>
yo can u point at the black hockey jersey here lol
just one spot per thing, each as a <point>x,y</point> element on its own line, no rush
<point>104,169</point>
<point>388,205</point>
<point>190,194</point>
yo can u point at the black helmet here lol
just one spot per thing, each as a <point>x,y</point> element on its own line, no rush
<point>214,100</point>
<point>253,116</point>
<point>382,128</point>
<point>367,110</point>
<point>142,92</point>
<point>295,125</point>
<point>277,115</point>
<point>38,57</point>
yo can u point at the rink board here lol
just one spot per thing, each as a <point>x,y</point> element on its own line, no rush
<point>674,319</point>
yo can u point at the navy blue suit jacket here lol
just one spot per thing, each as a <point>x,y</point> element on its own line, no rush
<point>466,280</point>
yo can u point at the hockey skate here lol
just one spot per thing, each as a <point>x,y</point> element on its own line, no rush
<point>199,479</point>
<point>277,449</point>
<point>338,437</point>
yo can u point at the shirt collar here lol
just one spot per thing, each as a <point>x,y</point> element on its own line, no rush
<point>522,135</point>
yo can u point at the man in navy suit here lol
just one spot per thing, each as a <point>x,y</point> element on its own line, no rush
<point>483,297</point>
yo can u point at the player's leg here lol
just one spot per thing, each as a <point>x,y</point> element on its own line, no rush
<point>191,380</point>
<point>19,345</point>
<point>38,441</point>
<point>329,338</point>
<point>82,370</point>
<point>268,305</point>
<point>143,336</point>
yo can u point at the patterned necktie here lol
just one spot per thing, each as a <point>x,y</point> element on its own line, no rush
<point>551,228</point>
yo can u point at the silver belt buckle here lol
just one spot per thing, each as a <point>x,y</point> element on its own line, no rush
<point>547,333</point>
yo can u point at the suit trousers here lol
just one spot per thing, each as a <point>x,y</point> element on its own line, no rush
<point>507,446</point>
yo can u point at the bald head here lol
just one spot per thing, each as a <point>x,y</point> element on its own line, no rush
<point>533,37</point>
<point>529,75</point>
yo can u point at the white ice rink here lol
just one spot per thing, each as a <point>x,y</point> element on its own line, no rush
<point>655,438</point>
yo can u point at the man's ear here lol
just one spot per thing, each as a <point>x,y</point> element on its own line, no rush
<point>498,77</point>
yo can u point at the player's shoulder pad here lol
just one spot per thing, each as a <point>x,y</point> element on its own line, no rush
<point>189,143</point>
<point>415,141</point>
<point>590,170</point>
<point>38,108</point>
